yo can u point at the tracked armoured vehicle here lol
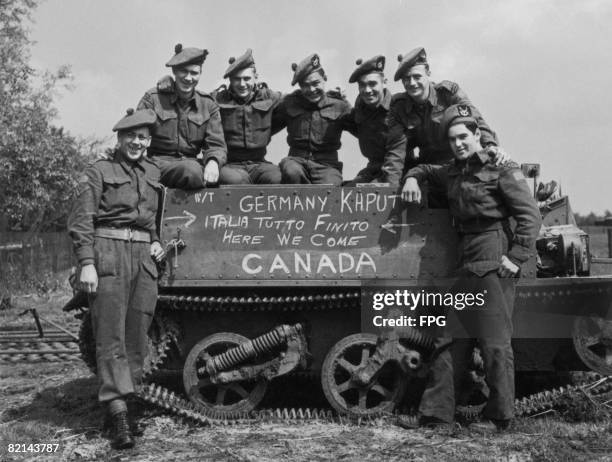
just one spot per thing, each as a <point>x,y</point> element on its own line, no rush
<point>262,282</point>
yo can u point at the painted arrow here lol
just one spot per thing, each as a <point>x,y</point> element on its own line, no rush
<point>389,226</point>
<point>190,217</point>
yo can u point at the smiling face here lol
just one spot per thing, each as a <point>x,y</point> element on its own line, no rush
<point>371,88</point>
<point>186,78</point>
<point>416,82</point>
<point>462,141</point>
<point>243,82</point>
<point>134,142</point>
<point>313,87</point>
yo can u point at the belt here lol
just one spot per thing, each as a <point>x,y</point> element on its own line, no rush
<point>478,225</point>
<point>123,234</point>
<point>316,155</point>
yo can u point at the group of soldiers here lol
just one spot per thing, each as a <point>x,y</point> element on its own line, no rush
<point>180,137</point>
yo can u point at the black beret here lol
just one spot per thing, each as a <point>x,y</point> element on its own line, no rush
<point>412,58</point>
<point>457,114</point>
<point>183,56</point>
<point>237,64</point>
<point>375,64</point>
<point>133,119</point>
<point>306,67</point>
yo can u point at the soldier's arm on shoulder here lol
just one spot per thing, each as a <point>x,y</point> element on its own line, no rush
<point>81,218</point>
<point>146,102</point>
<point>458,96</point>
<point>523,208</point>
<point>279,115</point>
<point>214,140</point>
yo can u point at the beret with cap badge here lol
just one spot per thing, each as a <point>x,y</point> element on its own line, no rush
<point>134,119</point>
<point>374,64</point>
<point>183,56</point>
<point>237,64</point>
<point>457,114</point>
<point>410,59</point>
<point>306,67</point>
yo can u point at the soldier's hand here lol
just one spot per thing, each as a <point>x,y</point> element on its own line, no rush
<point>165,84</point>
<point>157,252</point>
<point>499,156</point>
<point>211,171</point>
<point>88,280</point>
<point>411,191</point>
<point>507,269</point>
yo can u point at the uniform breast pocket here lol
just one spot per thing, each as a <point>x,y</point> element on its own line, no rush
<point>196,127</point>
<point>117,192</point>
<point>329,125</point>
<point>481,186</point>
<point>154,189</point>
<point>262,115</point>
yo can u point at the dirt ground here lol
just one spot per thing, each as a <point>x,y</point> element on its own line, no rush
<point>56,403</point>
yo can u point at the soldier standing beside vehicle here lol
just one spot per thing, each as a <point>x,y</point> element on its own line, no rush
<point>188,132</point>
<point>113,228</point>
<point>314,120</point>
<point>482,198</point>
<point>369,117</point>
<point>415,115</point>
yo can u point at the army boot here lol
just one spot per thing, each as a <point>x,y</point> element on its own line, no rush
<point>135,414</point>
<point>121,437</point>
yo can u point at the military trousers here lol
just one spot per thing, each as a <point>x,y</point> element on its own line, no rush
<point>491,326</point>
<point>250,172</point>
<point>180,172</point>
<point>122,310</point>
<point>300,170</point>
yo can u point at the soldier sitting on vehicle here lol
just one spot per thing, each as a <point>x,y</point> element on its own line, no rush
<point>482,198</point>
<point>314,120</point>
<point>415,115</point>
<point>369,117</point>
<point>113,228</point>
<point>188,130</point>
<point>246,115</point>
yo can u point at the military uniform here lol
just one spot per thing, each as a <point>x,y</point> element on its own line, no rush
<point>313,132</point>
<point>112,225</point>
<point>372,131</point>
<point>247,126</point>
<point>184,129</point>
<point>413,125</point>
<point>482,198</point>
<point>115,195</point>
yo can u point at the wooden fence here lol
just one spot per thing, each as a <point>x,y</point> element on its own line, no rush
<point>28,255</point>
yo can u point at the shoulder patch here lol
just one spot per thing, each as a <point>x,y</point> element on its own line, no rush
<point>447,85</point>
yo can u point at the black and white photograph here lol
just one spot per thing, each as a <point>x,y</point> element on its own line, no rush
<point>278,230</point>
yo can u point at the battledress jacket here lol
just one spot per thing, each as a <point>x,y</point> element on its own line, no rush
<point>370,126</point>
<point>482,197</point>
<point>247,126</point>
<point>414,125</point>
<point>185,129</point>
<point>114,193</point>
<point>313,129</point>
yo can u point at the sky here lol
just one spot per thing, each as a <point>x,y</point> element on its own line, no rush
<point>539,71</point>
